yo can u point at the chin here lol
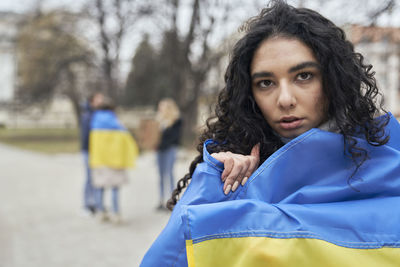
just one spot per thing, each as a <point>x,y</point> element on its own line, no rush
<point>292,134</point>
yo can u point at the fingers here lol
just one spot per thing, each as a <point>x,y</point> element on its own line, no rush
<point>240,165</point>
<point>224,157</point>
<point>254,161</point>
<point>255,151</point>
<point>234,174</point>
<point>229,165</point>
<point>237,167</point>
<point>220,156</point>
<point>245,163</point>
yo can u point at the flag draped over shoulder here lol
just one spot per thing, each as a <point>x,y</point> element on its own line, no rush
<point>301,207</point>
<point>110,144</point>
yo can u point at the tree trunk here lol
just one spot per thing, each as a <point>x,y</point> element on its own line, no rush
<point>73,95</point>
<point>190,132</point>
<point>190,114</point>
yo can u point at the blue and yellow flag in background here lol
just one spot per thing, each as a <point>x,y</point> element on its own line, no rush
<point>301,207</point>
<point>110,144</point>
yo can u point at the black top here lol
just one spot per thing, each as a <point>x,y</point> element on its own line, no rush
<point>171,136</point>
<point>86,117</point>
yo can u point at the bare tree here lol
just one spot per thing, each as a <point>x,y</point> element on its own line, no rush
<point>386,7</point>
<point>195,55</point>
<point>50,56</point>
<point>366,12</point>
<point>114,19</point>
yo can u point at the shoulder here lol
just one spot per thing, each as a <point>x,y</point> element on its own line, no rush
<point>105,119</point>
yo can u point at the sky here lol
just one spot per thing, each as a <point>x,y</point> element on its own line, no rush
<point>25,5</point>
<point>333,9</point>
<point>339,11</point>
<point>131,41</point>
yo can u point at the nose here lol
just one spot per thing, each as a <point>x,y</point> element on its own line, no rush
<point>286,97</point>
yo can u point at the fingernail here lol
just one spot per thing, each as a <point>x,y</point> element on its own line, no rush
<point>244,180</point>
<point>227,189</point>
<point>235,186</point>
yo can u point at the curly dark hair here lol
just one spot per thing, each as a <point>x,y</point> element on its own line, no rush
<point>348,84</point>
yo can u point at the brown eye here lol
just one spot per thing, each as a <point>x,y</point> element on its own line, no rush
<point>264,83</point>
<point>304,76</point>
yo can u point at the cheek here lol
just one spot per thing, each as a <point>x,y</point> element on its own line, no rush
<point>321,107</point>
<point>266,109</point>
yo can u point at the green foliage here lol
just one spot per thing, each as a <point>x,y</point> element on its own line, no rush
<point>170,64</point>
<point>42,140</point>
<point>141,85</point>
<point>154,74</point>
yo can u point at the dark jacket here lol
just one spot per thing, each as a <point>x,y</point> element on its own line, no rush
<point>86,117</point>
<point>171,136</point>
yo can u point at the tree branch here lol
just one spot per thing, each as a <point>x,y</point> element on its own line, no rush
<point>387,7</point>
<point>193,22</point>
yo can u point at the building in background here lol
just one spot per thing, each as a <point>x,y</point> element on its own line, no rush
<point>59,113</point>
<point>381,48</point>
<point>8,59</point>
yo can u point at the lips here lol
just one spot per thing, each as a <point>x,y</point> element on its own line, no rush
<point>290,122</point>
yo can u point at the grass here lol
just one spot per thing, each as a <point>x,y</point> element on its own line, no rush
<point>43,140</point>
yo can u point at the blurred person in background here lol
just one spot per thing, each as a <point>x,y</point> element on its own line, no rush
<point>93,102</point>
<point>168,116</point>
<point>112,150</point>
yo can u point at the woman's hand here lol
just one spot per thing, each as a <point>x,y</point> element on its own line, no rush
<point>237,167</point>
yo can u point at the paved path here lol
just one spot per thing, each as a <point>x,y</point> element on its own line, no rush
<point>41,223</point>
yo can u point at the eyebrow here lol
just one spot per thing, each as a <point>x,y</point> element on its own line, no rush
<point>298,67</point>
<point>304,65</point>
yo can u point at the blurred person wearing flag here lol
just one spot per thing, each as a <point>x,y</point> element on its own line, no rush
<point>299,100</point>
<point>112,151</point>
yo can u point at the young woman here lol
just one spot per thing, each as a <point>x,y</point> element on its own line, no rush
<point>171,126</point>
<point>299,100</point>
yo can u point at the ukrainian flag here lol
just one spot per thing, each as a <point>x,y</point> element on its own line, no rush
<point>299,208</point>
<point>110,144</point>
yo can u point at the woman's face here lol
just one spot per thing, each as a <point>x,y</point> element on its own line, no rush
<point>287,86</point>
<point>97,100</point>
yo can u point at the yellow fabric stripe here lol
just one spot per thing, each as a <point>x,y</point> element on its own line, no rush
<point>264,251</point>
<point>189,253</point>
<point>113,149</point>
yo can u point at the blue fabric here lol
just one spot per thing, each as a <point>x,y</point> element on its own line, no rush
<point>105,120</point>
<point>89,190</point>
<point>99,196</point>
<point>302,190</point>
